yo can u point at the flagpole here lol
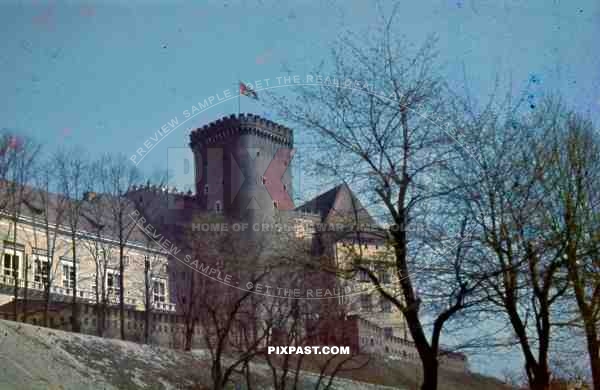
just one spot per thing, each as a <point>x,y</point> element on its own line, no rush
<point>239,89</point>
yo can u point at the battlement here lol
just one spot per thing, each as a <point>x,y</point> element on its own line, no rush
<point>160,190</point>
<point>226,127</point>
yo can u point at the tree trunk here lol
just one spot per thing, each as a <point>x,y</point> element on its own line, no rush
<point>47,288</point>
<point>539,377</point>
<point>217,375</point>
<point>121,292</point>
<point>147,327</point>
<point>147,298</point>
<point>26,281</point>
<point>189,334</point>
<point>430,373</point>
<point>15,274</point>
<point>75,307</point>
<point>593,345</point>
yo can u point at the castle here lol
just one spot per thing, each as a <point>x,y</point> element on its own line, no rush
<point>243,178</point>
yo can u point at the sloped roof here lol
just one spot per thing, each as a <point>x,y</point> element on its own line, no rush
<point>93,214</point>
<point>321,204</point>
<point>339,205</point>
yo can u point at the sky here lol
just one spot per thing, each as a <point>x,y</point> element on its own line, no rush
<point>106,76</point>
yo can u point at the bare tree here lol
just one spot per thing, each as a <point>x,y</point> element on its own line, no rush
<point>572,184</point>
<point>229,318</point>
<point>50,208</point>
<point>121,176</point>
<point>20,153</point>
<point>155,260</point>
<point>291,323</point>
<point>377,133</point>
<point>100,247</point>
<point>154,266</point>
<point>72,171</point>
<point>507,199</point>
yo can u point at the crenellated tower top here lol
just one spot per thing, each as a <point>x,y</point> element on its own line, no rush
<point>242,124</point>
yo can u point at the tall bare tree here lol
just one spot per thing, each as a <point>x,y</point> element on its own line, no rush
<point>511,200</point>
<point>19,154</point>
<point>100,247</point>
<point>572,182</point>
<point>378,118</point>
<point>72,170</point>
<point>51,212</point>
<point>121,176</point>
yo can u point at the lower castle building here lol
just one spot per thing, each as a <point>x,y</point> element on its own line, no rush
<point>243,178</point>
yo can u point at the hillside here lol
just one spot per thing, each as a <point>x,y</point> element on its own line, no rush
<point>39,358</point>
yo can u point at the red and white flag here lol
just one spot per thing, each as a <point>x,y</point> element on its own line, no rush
<point>247,91</point>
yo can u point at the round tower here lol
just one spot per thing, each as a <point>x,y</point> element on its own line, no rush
<point>243,167</point>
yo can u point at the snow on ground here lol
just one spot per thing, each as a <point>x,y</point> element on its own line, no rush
<point>33,357</point>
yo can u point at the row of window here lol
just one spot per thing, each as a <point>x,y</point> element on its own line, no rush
<point>218,208</point>
<point>383,276</point>
<point>11,266</point>
<point>366,304</point>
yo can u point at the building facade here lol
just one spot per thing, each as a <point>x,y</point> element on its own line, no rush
<point>243,174</point>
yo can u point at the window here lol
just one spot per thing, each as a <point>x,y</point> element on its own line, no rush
<point>125,260</point>
<point>284,187</point>
<point>40,263</point>
<point>388,332</point>
<point>11,263</point>
<point>386,305</point>
<point>112,282</point>
<point>206,189</point>
<point>275,204</point>
<point>384,276</point>
<point>218,206</point>
<point>159,291</point>
<point>264,180</point>
<point>363,276</point>
<point>68,275</point>
<point>365,302</point>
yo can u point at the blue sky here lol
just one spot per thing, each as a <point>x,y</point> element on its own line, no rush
<point>106,76</point>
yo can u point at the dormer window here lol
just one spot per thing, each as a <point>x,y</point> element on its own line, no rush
<point>275,204</point>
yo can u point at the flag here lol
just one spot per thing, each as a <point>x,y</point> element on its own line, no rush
<point>247,91</point>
